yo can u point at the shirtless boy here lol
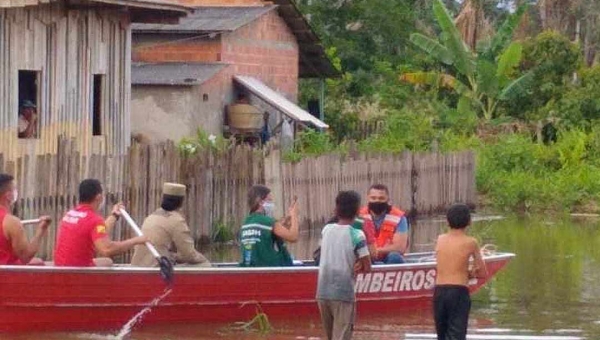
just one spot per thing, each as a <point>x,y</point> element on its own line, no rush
<point>451,300</point>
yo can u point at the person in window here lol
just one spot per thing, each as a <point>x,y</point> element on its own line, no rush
<point>28,120</point>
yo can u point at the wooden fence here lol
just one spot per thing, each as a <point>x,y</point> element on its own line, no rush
<point>217,183</point>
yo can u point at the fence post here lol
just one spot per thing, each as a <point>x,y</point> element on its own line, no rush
<point>273,179</point>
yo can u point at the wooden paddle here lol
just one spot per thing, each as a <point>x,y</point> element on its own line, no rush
<point>166,267</point>
<point>34,221</point>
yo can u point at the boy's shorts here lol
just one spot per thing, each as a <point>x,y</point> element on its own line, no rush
<point>451,307</point>
<point>337,318</point>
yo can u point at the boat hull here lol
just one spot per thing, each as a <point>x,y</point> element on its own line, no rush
<point>66,299</point>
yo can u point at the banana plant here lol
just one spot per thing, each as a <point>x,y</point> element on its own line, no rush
<point>483,77</point>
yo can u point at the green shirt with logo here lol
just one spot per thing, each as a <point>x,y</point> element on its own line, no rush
<point>260,247</point>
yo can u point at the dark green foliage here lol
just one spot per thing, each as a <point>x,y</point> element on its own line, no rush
<point>579,106</point>
<point>554,60</point>
<point>456,96</point>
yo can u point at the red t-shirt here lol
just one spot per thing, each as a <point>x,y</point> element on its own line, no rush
<point>79,229</point>
<point>7,254</point>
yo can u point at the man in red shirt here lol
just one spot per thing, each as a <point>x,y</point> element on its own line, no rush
<point>15,249</point>
<point>83,232</point>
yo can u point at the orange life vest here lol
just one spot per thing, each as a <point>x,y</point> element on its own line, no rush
<point>388,227</point>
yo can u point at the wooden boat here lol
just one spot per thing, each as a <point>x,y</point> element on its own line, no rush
<point>66,299</point>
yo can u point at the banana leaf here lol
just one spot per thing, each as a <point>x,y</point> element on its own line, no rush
<point>433,48</point>
<point>505,34</point>
<point>430,78</point>
<point>487,82</point>
<point>507,62</point>
<point>451,38</point>
<point>519,85</point>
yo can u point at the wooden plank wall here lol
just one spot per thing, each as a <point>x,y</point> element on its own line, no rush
<point>440,180</point>
<point>66,47</point>
<point>218,183</point>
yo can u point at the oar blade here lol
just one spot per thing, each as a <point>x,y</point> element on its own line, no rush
<point>166,269</point>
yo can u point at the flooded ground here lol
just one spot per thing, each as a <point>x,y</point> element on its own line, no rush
<point>550,291</point>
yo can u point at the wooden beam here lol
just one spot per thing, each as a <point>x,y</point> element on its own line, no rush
<point>149,4</point>
<point>152,17</point>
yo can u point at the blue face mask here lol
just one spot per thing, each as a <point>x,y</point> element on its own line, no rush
<point>268,208</point>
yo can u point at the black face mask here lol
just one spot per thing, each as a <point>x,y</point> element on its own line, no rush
<point>378,208</point>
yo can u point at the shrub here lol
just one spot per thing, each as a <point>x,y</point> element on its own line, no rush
<point>202,141</point>
<point>406,129</point>
<point>518,173</point>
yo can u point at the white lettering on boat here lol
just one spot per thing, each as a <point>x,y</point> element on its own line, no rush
<point>430,279</point>
<point>388,281</point>
<point>418,280</point>
<point>405,283</point>
<point>362,282</point>
<point>395,281</point>
<point>376,283</point>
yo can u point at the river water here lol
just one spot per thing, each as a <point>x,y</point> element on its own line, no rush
<point>551,290</point>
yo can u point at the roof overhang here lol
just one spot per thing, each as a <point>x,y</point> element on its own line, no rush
<point>276,100</point>
<point>209,20</point>
<point>141,11</point>
<point>173,74</point>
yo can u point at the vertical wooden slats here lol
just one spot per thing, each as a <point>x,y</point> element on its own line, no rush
<point>218,183</point>
<point>67,47</point>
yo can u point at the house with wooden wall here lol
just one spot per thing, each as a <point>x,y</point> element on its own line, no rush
<point>71,59</point>
<point>184,76</point>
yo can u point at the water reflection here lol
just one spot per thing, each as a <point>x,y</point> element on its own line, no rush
<point>551,289</point>
<point>553,282</point>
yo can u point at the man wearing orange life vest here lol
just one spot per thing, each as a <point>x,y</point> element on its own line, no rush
<point>390,223</point>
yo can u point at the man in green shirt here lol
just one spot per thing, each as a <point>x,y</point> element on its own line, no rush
<point>262,238</point>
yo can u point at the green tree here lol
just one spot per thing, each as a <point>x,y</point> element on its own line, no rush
<point>579,106</point>
<point>367,32</point>
<point>553,59</point>
<point>484,77</point>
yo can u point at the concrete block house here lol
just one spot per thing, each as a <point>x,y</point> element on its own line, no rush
<point>68,63</point>
<point>185,75</point>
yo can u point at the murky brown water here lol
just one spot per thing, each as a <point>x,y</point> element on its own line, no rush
<point>551,291</point>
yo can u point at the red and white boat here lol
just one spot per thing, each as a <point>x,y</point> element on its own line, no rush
<point>66,299</point>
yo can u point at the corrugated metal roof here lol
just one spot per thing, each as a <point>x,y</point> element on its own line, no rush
<point>259,89</point>
<point>156,4</point>
<point>210,19</point>
<point>151,4</point>
<point>180,74</point>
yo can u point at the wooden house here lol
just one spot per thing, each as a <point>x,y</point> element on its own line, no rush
<point>70,59</point>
